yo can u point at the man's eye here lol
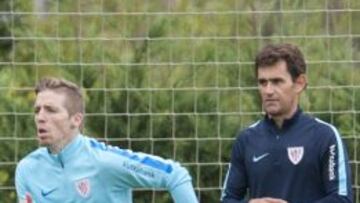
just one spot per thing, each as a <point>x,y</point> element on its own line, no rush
<point>277,81</point>
<point>262,82</point>
<point>52,110</point>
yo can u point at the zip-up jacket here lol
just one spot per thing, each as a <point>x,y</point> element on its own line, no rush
<point>90,171</point>
<point>303,162</point>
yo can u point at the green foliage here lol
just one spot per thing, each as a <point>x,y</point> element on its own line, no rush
<point>178,85</point>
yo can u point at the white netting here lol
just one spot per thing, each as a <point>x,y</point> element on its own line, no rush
<point>174,77</point>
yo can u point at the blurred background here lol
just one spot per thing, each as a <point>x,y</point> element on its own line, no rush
<point>173,78</point>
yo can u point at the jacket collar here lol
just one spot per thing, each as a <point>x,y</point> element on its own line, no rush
<point>287,122</point>
<point>69,151</point>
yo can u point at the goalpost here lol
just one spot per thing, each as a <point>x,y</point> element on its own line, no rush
<point>173,78</point>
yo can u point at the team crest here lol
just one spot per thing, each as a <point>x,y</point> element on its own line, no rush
<point>83,187</point>
<point>295,154</point>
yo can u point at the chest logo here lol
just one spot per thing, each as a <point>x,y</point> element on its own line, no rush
<point>45,193</point>
<point>295,154</point>
<point>258,158</point>
<point>83,187</point>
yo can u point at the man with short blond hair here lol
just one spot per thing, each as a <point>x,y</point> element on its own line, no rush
<point>71,167</point>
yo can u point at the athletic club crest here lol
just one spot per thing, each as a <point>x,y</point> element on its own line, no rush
<point>295,154</point>
<point>83,187</point>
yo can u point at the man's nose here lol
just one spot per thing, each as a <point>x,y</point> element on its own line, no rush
<point>268,88</point>
<point>40,116</point>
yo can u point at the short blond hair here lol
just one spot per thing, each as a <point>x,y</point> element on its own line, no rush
<point>74,99</point>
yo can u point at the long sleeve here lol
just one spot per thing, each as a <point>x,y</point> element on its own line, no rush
<point>139,170</point>
<point>335,169</point>
<point>20,183</point>
<point>236,183</point>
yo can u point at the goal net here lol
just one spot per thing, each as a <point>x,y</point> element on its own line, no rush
<point>173,78</point>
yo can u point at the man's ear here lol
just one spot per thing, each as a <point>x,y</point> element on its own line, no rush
<point>300,83</point>
<point>77,120</point>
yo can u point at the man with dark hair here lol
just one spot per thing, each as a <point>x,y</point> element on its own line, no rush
<point>287,156</point>
<point>71,167</point>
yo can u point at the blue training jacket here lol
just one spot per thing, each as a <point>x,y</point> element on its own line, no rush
<point>303,162</point>
<point>90,171</point>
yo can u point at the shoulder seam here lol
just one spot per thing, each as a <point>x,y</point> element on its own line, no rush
<point>254,124</point>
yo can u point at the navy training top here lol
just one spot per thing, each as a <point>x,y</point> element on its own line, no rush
<point>303,162</point>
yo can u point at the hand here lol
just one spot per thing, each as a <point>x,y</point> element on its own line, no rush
<point>267,200</point>
<point>28,198</point>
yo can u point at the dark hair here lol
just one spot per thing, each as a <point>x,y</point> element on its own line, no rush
<point>272,54</point>
<point>74,101</point>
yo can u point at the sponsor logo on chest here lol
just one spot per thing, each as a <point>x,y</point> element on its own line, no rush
<point>83,187</point>
<point>295,154</point>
